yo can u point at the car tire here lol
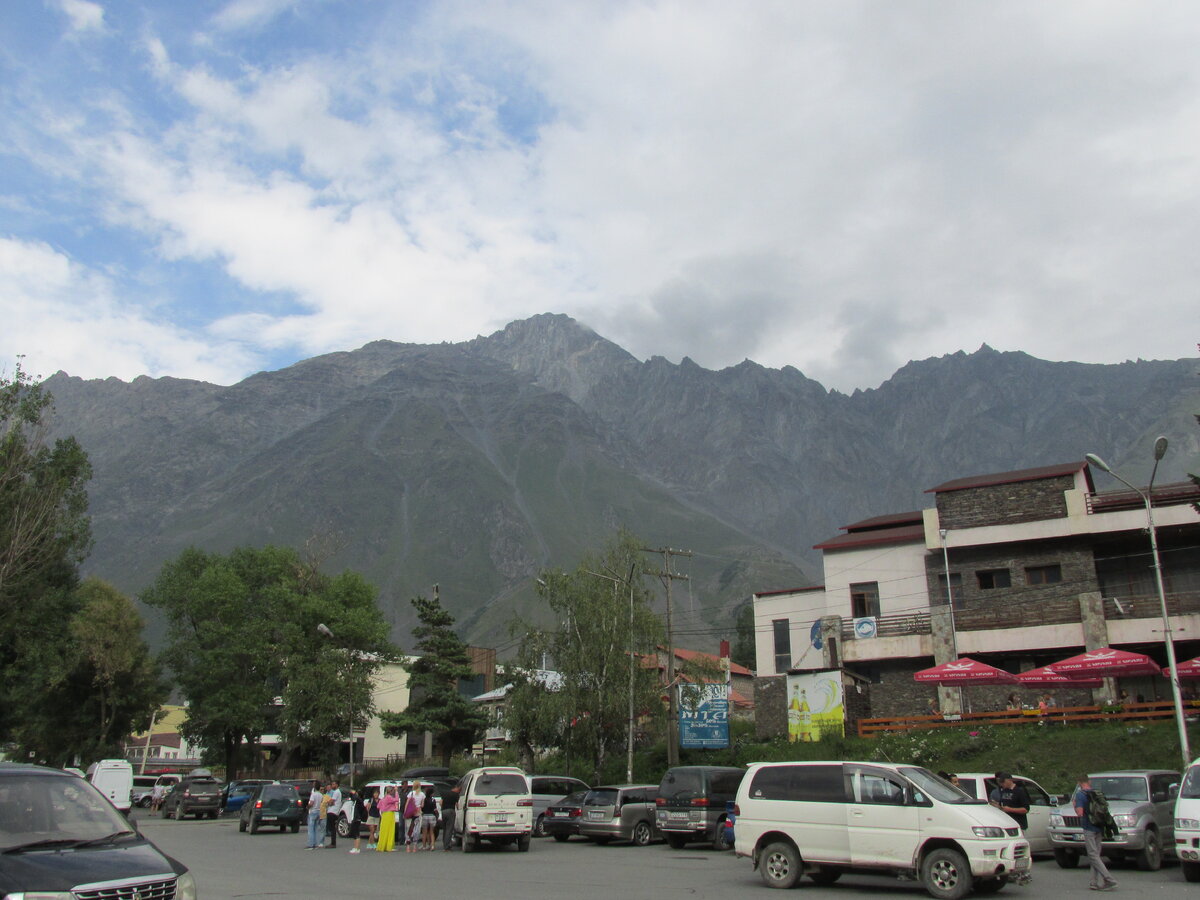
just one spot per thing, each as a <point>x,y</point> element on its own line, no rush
<point>295,829</point>
<point>719,843</point>
<point>1191,871</point>
<point>561,838</point>
<point>343,827</point>
<point>523,844</point>
<point>676,841</point>
<point>946,874</point>
<point>1149,858</point>
<point>213,814</point>
<point>539,827</point>
<point>1066,859</point>
<point>825,875</point>
<point>253,825</point>
<point>780,865</point>
<point>470,843</point>
<point>642,833</point>
<point>990,885</point>
<point>242,825</point>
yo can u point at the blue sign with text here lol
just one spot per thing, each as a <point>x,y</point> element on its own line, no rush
<point>705,725</point>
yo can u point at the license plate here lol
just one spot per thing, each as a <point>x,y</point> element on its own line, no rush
<point>677,816</point>
<point>266,818</point>
<point>596,814</point>
<point>500,819</point>
<point>557,815</point>
<point>1021,863</point>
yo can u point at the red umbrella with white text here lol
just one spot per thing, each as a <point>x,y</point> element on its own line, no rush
<point>1107,662</point>
<point>964,671</point>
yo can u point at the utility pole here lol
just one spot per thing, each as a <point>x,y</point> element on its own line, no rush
<point>668,576</point>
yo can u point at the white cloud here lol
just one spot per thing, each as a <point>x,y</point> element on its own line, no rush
<point>83,14</point>
<point>240,14</point>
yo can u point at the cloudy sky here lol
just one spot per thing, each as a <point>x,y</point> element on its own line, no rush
<point>208,189</point>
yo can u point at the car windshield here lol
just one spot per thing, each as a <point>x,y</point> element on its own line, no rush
<point>1191,784</point>
<point>35,808</point>
<point>937,788</point>
<point>501,783</point>
<point>601,797</point>
<point>682,784</point>
<point>1121,787</point>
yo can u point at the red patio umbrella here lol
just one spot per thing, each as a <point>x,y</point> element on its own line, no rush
<point>1189,669</point>
<point>964,671</point>
<point>1045,676</point>
<point>1107,662</point>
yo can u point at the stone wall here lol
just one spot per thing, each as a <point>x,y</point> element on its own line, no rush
<point>1073,556</point>
<point>1004,504</point>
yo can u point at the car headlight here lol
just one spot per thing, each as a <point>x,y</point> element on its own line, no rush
<point>1192,824</point>
<point>1056,821</point>
<point>185,887</point>
<point>1125,821</point>
<point>988,831</point>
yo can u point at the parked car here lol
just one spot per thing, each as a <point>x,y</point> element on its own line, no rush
<point>547,789</point>
<point>691,802</point>
<point>272,805</point>
<point>494,805</point>
<point>1187,823</point>
<point>439,788</point>
<point>142,793</point>
<point>1141,802</point>
<point>198,796</point>
<point>303,785</point>
<point>620,812</point>
<point>1041,804</point>
<point>60,837</point>
<point>235,793</point>
<point>826,818</point>
<point>562,818</point>
<point>114,779</point>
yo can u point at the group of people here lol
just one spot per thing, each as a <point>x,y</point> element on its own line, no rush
<point>403,815</point>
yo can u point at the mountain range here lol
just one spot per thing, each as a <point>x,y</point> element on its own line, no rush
<point>474,465</point>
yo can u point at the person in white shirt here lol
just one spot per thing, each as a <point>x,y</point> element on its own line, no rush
<point>412,825</point>
<point>333,812</point>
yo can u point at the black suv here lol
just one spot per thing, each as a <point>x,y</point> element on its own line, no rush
<point>46,811</point>
<point>691,804</point>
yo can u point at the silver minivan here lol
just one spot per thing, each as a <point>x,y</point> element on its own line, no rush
<point>547,790</point>
<point>620,812</point>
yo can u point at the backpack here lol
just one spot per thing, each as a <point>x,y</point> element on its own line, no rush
<point>429,808</point>
<point>1097,811</point>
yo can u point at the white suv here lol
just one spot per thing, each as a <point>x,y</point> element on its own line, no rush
<point>494,804</point>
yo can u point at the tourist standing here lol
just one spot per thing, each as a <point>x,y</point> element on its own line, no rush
<point>429,819</point>
<point>412,817</point>
<point>1093,836</point>
<point>389,803</point>
<point>449,807</point>
<point>316,821</point>
<point>333,812</point>
<point>356,811</point>
<point>372,803</point>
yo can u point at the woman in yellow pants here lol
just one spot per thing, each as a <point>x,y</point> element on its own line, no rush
<point>388,805</point>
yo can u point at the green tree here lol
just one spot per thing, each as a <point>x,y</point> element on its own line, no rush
<point>44,535</point>
<point>435,703</point>
<point>242,632</point>
<point>742,652</point>
<point>603,615</point>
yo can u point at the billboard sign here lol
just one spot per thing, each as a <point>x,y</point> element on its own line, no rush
<point>815,707</point>
<point>704,717</point>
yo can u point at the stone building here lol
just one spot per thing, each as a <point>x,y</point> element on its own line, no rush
<point>1017,569</point>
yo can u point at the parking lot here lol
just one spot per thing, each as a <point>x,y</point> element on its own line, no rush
<point>228,864</point>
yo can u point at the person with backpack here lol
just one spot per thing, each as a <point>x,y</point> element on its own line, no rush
<point>412,817</point>
<point>429,818</point>
<point>1092,809</point>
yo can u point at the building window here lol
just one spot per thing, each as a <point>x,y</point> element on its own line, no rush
<point>990,579</point>
<point>1043,574</point>
<point>864,599</point>
<point>783,644</point>
<point>956,591</point>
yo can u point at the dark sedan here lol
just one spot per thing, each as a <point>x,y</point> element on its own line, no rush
<point>272,806</point>
<point>562,817</point>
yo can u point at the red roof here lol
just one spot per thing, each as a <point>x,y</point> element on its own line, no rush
<point>909,518</point>
<point>904,535</point>
<point>693,655</point>
<point>1036,474</point>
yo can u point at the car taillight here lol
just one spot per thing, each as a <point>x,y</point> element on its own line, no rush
<point>476,803</point>
<point>299,802</point>
<point>660,801</point>
<point>699,801</point>
<point>524,803</point>
<point>576,812</point>
<point>258,804</point>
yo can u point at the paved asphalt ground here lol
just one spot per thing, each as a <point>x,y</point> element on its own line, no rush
<point>229,864</point>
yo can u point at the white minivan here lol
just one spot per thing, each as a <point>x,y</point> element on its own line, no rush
<point>114,779</point>
<point>494,804</point>
<point>826,818</point>
<point>1187,823</point>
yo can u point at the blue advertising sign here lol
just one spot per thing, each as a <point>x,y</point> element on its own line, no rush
<point>704,726</point>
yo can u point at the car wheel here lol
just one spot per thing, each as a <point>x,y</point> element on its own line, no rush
<point>946,874</point>
<point>539,827</point>
<point>343,827</point>
<point>296,829</point>
<point>1191,871</point>
<point>1150,857</point>
<point>642,834</point>
<point>470,843</point>
<point>719,841</point>
<point>561,837</point>
<point>990,885</point>
<point>779,865</point>
<point>676,841</point>
<point>253,825</point>
<point>1066,859</point>
<point>213,814</point>
<point>166,813</point>
<point>825,875</point>
<point>523,844</point>
<point>242,825</point>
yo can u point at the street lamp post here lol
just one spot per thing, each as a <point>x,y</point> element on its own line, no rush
<point>1160,449</point>
<point>326,631</point>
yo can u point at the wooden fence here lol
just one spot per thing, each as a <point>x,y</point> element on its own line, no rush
<point>1066,715</point>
